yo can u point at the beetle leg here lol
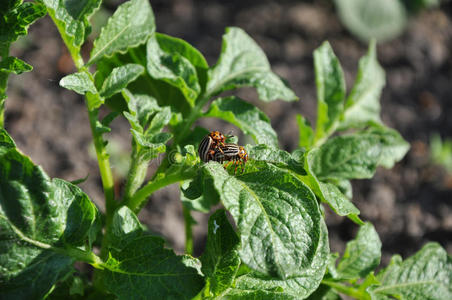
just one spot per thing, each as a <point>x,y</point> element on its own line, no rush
<point>226,165</point>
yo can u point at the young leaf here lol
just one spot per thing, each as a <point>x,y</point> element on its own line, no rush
<point>166,94</point>
<point>328,192</point>
<point>14,65</point>
<point>71,19</point>
<point>42,222</point>
<point>330,82</point>
<point>306,132</point>
<point>258,286</point>
<point>147,120</point>
<point>363,102</point>
<point>141,108</point>
<point>347,157</point>
<point>174,69</point>
<point>393,146</point>
<point>119,78</point>
<point>78,82</point>
<point>243,63</point>
<point>141,268</point>
<point>245,116</point>
<point>131,25</point>
<point>425,275</point>
<point>276,214</point>
<point>362,255</point>
<point>172,44</point>
<point>220,261</point>
<point>15,18</point>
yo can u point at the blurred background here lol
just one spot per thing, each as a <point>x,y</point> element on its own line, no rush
<point>409,204</point>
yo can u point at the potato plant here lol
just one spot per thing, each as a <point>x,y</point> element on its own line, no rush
<point>275,243</point>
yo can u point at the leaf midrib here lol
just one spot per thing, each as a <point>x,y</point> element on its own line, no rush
<point>272,233</point>
<point>402,285</point>
<point>110,42</point>
<point>21,235</point>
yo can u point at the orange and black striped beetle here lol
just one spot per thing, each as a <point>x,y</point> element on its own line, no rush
<point>210,144</point>
<point>234,154</point>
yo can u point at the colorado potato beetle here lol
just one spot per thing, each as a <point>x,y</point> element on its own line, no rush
<point>210,144</point>
<point>233,154</point>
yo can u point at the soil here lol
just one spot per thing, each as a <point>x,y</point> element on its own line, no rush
<point>409,205</point>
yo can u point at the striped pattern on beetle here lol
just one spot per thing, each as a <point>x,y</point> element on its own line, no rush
<point>234,154</point>
<point>210,144</point>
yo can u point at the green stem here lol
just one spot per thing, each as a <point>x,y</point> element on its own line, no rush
<point>188,230</point>
<point>136,175</point>
<point>192,117</point>
<point>102,155</point>
<point>346,290</point>
<point>85,256</point>
<point>103,161</point>
<point>160,180</point>
<point>3,85</point>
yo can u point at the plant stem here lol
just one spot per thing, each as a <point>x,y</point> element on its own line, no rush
<point>3,85</point>
<point>102,155</point>
<point>346,290</point>
<point>161,180</point>
<point>86,256</point>
<point>136,174</point>
<point>103,162</point>
<point>188,230</point>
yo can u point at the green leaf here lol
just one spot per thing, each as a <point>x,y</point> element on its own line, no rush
<point>131,25</point>
<point>119,78</point>
<point>243,63</point>
<point>147,120</point>
<point>362,255</point>
<point>220,261</point>
<point>125,228</point>
<point>72,287</point>
<point>15,19</point>
<point>71,19</point>
<point>347,157</point>
<point>257,286</point>
<point>367,19</point>
<point>276,214</point>
<point>139,267</point>
<point>328,192</point>
<point>78,82</point>
<point>174,69</point>
<point>280,158</point>
<point>300,164</point>
<point>14,65</point>
<point>363,102</point>
<point>425,275</point>
<point>306,132</point>
<point>393,146</point>
<point>6,141</point>
<point>245,116</point>
<point>170,44</point>
<point>7,5</point>
<point>166,94</point>
<point>141,109</point>
<point>324,292</point>
<point>330,82</point>
<point>42,222</point>
<point>199,193</point>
